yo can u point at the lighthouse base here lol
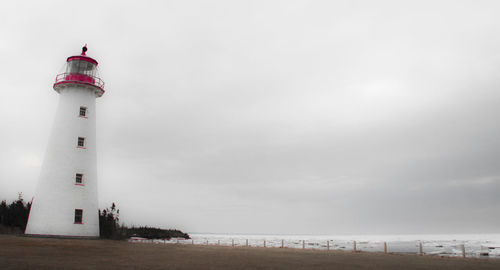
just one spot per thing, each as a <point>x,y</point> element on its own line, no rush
<point>62,236</point>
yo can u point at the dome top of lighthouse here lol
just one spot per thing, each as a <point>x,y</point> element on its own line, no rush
<point>83,57</point>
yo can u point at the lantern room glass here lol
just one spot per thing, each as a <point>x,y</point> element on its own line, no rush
<point>81,67</point>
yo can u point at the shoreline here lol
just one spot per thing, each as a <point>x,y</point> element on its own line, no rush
<point>467,247</point>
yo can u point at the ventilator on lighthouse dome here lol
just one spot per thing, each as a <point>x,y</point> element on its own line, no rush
<point>66,202</point>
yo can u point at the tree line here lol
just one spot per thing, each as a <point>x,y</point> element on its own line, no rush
<point>14,218</point>
<point>110,228</point>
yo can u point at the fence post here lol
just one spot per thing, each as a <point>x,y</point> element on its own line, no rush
<point>232,242</point>
<point>385,247</point>
<point>303,244</point>
<point>218,242</point>
<point>282,243</point>
<point>354,246</point>
<point>247,243</point>
<point>264,242</point>
<point>463,251</point>
<point>207,242</point>
<point>177,240</point>
<point>192,241</point>
<point>327,244</point>
<point>420,249</point>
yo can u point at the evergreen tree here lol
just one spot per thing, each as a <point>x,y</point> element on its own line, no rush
<point>15,215</point>
<point>108,222</point>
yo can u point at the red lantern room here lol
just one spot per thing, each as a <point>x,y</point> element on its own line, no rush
<point>80,70</point>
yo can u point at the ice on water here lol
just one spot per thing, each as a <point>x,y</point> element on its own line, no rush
<point>444,245</point>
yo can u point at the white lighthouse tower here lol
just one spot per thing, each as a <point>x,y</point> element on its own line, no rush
<point>65,202</point>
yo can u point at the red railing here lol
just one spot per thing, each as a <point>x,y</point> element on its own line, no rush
<point>79,78</point>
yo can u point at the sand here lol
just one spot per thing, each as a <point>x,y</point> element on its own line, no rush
<point>17,252</point>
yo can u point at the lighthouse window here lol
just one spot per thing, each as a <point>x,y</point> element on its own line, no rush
<point>79,216</point>
<point>81,142</point>
<point>79,178</point>
<point>83,111</point>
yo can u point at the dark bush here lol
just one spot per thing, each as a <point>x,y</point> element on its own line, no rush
<point>155,233</point>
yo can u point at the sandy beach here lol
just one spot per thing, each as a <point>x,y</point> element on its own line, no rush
<point>18,252</point>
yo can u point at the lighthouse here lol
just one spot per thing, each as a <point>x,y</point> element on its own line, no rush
<point>65,202</point>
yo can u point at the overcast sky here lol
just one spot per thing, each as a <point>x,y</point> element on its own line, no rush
<point>323,117</point>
